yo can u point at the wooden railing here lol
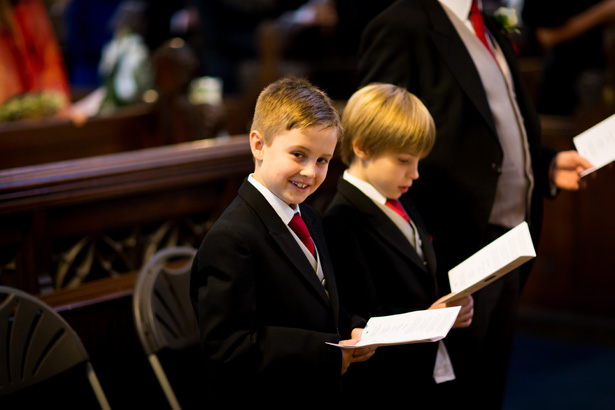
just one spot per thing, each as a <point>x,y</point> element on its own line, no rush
<point>45,140</point>
<point>70,222</point>
<point>53,139</point>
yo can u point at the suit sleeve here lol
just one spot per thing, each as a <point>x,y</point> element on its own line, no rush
<point>385,54</point>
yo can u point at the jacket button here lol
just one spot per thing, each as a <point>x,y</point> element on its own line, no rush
<point>495,167</point>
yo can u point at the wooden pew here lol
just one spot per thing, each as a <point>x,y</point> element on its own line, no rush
<point>32,142</point>
<point>76,233</point>
<point>167,121</point>
<point>118,201</point>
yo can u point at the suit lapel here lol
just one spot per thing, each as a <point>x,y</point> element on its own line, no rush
<point>323,253</point>
<point>280,233</point>
<point>429,253</point>
<point>453,51</point>
<point>380,222</point>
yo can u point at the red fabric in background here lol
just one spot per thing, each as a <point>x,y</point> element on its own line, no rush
<point>29,52</point>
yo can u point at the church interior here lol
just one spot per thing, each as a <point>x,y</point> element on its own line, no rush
<point>128,137</point>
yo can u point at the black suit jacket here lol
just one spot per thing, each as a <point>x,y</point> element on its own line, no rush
<point>413,44</point>
<point>264,315</point>
<point>380,273</point>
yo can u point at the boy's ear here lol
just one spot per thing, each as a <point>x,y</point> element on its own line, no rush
<point>257,145</point>
<point>358,152</point>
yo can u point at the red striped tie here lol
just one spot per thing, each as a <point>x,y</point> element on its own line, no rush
<point>479,26</point>
<point>298,226</point>
<point>396,206</point>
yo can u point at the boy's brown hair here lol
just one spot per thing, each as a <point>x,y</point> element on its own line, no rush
<point>292,102</point>
<point>386,118</point>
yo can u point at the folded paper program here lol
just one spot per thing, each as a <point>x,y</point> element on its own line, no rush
<point>420,326</point>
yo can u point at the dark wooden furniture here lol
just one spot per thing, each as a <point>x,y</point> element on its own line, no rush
<point>168,121</point>
<point>68,222</point>
<point>76,232</point>
<point>39,141</point>
<point>573,271</point>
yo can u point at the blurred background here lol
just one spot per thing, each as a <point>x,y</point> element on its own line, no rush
<point>122,132</point>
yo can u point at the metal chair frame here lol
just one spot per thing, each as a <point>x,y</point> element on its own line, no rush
<point>163,314</point>
<point>38,344</point>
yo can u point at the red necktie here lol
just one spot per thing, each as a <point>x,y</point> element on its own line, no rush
<point>396,206</point>
<point>415,240</point>
<point>479,26</point>
<point>298,226</point>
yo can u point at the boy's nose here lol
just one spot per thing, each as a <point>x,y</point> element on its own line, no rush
<point>309,170</point>
<point>413,172</point>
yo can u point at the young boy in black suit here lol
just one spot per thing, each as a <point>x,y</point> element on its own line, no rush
<point>381,250</point>
<point>266,302</point>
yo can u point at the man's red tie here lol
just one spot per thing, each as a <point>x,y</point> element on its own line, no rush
<point>396,206</point>
<point>479,26</point>
<point>298,226</point>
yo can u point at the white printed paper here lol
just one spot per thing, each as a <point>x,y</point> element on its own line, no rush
<point>413,327</point>
<point>495,260</point>
<point>597,144</point>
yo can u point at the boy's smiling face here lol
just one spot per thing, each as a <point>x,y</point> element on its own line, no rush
<point>296,162</point>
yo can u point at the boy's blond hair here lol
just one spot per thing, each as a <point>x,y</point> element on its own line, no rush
<point>386,118</point>
<point>292,102</point>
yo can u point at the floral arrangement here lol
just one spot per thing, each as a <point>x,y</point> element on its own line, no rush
<point>506,20</point>
<point>125,69</point>
<point>31,105</point>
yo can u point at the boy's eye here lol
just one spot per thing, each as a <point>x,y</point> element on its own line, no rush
<point>297,154</point>
<point>323,161</point>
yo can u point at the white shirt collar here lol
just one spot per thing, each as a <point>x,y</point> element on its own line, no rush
<point>365,187</point>
<point>281,208</point>
<point>461,8</point>
<point>408,229</point>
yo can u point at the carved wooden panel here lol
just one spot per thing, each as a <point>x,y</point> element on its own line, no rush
<point>67,223</point>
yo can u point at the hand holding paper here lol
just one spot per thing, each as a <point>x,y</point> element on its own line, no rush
<point>356,355</point>
<point>495,260</point>
<point>466,303</point>
<point>597,144</point>
<point>568,170</point>
<point>412,327</point>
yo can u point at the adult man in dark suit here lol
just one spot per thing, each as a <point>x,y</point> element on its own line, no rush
<point>487,171</point>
